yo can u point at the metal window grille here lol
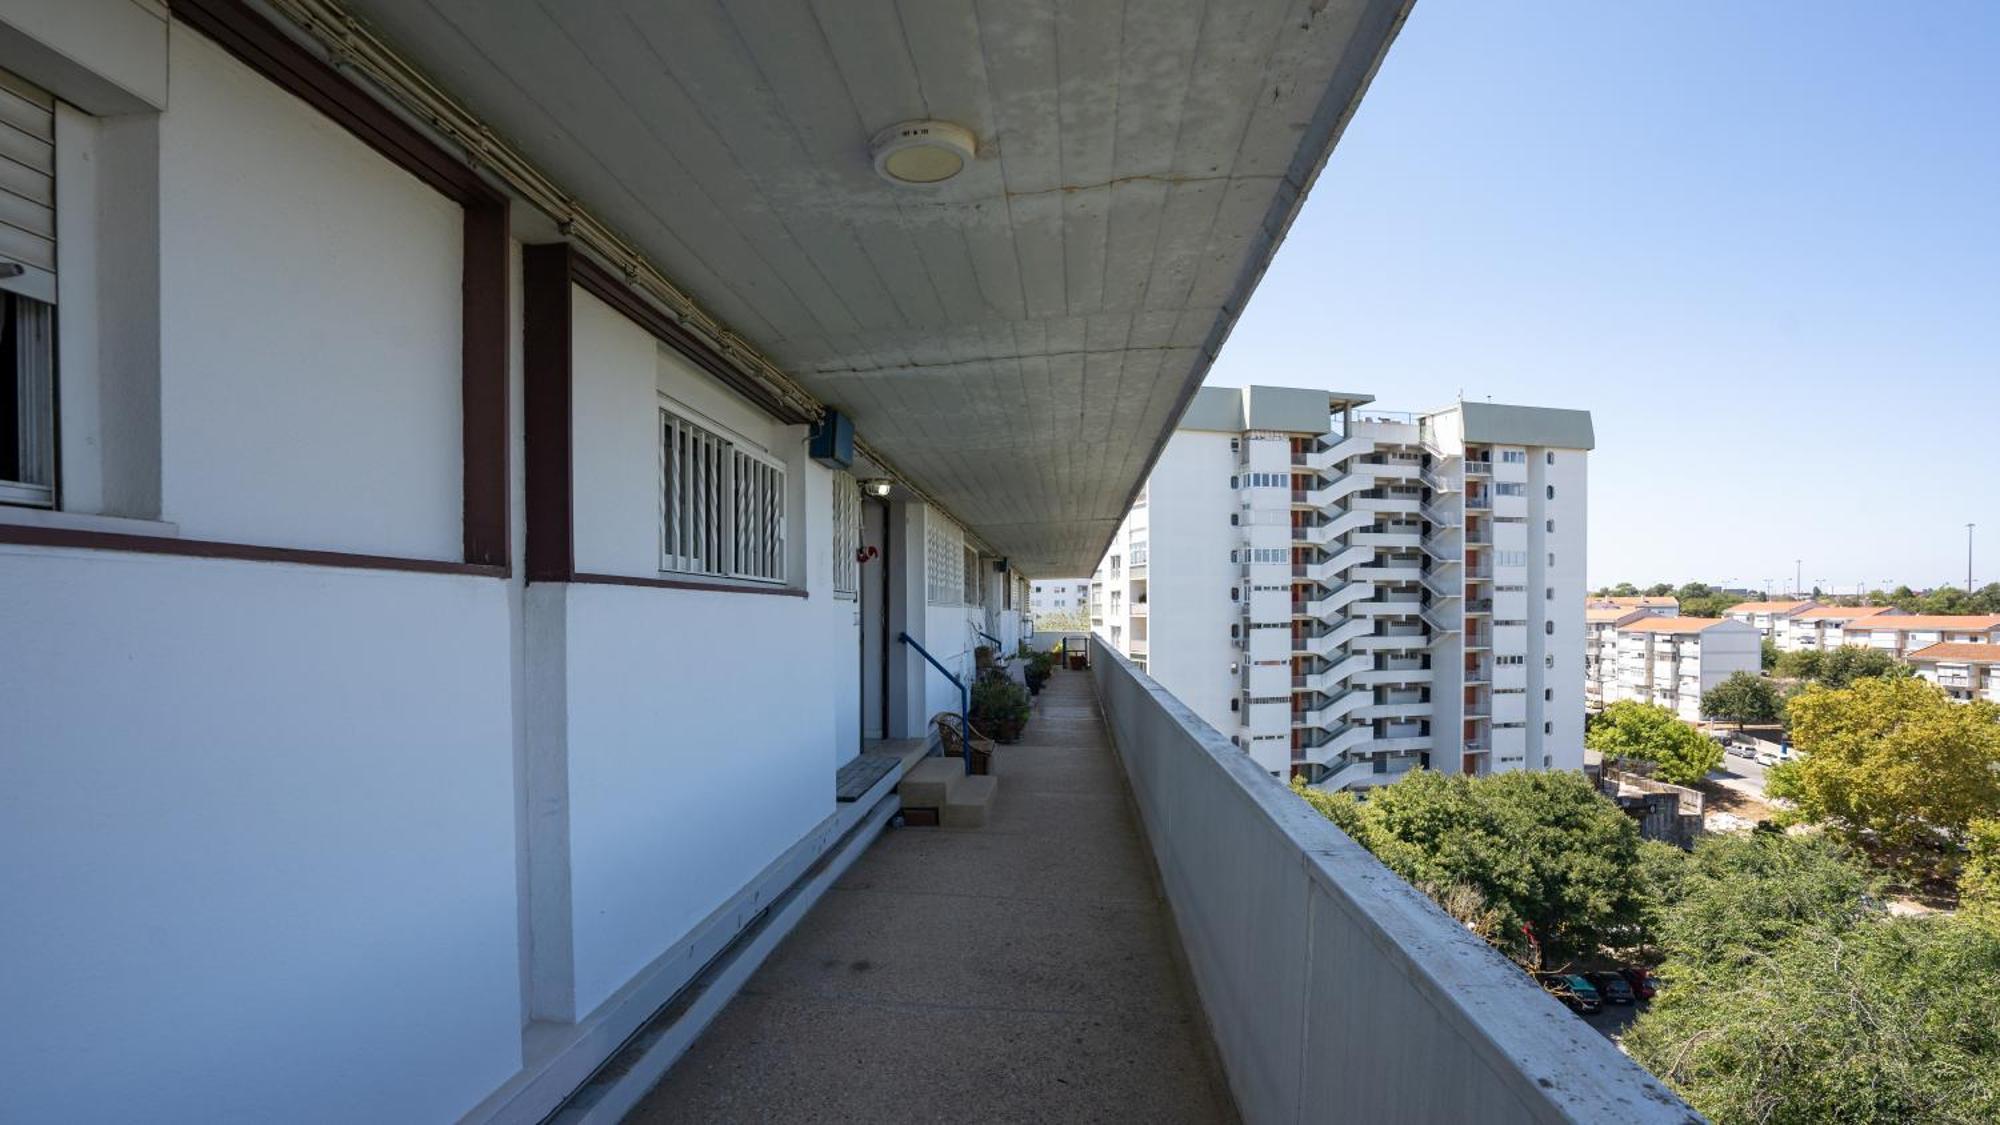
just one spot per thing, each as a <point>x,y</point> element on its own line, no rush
<point>970,576</point>
<point>846,536</point>
<point>722,508</point>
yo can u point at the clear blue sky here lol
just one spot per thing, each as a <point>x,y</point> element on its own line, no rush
<point>1760,242</point>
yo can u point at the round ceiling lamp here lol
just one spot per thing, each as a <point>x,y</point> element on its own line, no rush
<point>921,153</point>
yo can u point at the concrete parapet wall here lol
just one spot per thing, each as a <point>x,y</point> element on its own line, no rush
<point>1332,987</point>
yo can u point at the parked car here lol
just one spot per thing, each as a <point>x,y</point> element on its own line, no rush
<point>1642,981</point>
<point>1576,993</point>
<point>1766,756</point>
<point>1613,987</point>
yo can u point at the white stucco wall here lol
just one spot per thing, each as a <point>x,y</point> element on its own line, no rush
<point>702,728</point>
<point>259,822</point>
<point>338,430</point>
<point>688,770</point>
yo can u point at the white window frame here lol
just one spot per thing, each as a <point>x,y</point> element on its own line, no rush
<point>728,519</point>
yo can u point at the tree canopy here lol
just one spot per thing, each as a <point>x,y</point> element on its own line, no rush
<point>1892,762</point>
<point>1791,997</point>
<point>1840,667</point>
<point>1943,599</point>
<point>1743,698</point>
<point>1646,732</point>
<point>1539,849</point>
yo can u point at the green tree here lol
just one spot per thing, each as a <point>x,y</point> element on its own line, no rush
<point>1792,997</point>
<point>1803,665</point>
<point>1742,894</point>
<point>1646,732</point>
<point>1879,1020</point>
<point>1693,590</point>
<point>1707,605</point>
<point>1064,621</point>
<point>1892,762</point>
<point>1660,590</point>
<point>1979,883</point>
<point>1768,654</point>
<point>1536,849</point>
<point>1742,698</point>
<point>1849,663</point>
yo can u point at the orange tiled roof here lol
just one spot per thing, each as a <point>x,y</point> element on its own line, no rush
<point>1675,624</point>
<point>1767,607</point>
<point>1845,612</point>
<point>1958,652</point>
<point>1641,601</point>
<point>1909,622</point>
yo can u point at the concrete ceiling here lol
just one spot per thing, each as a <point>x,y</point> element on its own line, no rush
<point>1019,341</point>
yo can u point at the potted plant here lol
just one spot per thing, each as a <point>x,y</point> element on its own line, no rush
<point>999,707</point>
<point>1036,670</point>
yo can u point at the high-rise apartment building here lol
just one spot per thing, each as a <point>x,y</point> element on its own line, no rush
<point>1352,594</point>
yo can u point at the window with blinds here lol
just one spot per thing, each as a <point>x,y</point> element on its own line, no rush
<point>722,506</point>
<point>27,293</point>
<point>846,536</point>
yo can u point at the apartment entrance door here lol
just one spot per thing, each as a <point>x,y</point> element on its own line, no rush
<point>874,619</point>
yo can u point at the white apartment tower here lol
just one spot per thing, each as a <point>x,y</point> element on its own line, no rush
<point>1354,595</point>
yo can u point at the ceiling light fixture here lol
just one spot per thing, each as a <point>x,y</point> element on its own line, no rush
<point>877,487</point>
<point>921,153</point>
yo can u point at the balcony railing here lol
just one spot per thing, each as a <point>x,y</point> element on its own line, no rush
<point>1328,1007</point>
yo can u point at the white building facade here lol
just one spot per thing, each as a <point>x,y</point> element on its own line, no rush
<point>1354,595</point>
<point>1672,661</point>
<point>1964,670</point>
<point>1064,597</point>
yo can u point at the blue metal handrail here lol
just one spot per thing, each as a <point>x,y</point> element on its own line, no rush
<point>964,698</point>
<point>998,644</point>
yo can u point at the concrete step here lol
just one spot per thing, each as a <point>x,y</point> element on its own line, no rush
<point>931,783</point>
<point>970,801</point>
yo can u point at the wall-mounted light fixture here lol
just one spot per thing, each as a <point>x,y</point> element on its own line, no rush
<point>920,153</point>
<point>877,487</point>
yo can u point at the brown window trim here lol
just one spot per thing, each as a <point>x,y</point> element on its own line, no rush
<point>719,586</point>
<point>483,380</point>
<point>32,535</point>
<point>548,374</point>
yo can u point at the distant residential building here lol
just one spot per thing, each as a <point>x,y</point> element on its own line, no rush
<point>1659,605</point>
<point>1823,627</point>
<point>1965,671</point>
<point>1350,595</point>
<point>1904,633</point>
<point>1600,645</point>
<point>1059,596</point>
<point>1766,616</point>
<point>1672,661</point>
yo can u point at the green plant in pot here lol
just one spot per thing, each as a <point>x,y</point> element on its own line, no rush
<point>1036,673</point>
<point>999,708</point>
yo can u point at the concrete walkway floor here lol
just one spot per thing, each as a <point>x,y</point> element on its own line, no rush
<point>1018,972</point>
